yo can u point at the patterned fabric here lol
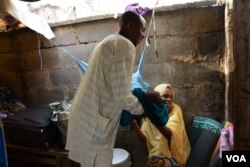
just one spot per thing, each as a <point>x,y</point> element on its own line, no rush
<point>60,106</point>
<point>227,139</point>
<point>103,92</point>
<point>158,144</point>
<point>203,138</point>
<point>207,123</point>
<point>154,161</point>
<point>60,115</point>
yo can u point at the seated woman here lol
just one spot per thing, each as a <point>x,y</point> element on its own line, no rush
<point>168,146</point>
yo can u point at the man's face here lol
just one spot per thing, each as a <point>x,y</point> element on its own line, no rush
<point>137,32</point>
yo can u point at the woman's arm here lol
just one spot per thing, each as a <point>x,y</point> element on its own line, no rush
<point>138,131</point>
<point>166,132</point>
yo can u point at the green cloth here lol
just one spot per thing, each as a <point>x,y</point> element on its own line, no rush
<point>157,113</point>
<point>204,130</point>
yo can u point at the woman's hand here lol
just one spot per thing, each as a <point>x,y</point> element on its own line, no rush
<point>138,131</point>
<point>134,123</point>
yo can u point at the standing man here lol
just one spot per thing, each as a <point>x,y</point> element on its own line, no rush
<point>102,94</point>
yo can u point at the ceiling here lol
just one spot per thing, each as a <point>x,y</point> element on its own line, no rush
<point>14,14</point>
<point>8,22</point>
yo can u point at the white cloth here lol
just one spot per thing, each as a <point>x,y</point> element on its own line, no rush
<point>103,92</point>
<point>20,11</point>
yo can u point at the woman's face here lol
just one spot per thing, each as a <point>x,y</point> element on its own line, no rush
<point>167,97</point>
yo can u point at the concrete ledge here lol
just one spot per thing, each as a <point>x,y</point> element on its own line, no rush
<point>172,7</point>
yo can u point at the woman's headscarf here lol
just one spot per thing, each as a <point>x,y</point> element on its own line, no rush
<point>161,88</point>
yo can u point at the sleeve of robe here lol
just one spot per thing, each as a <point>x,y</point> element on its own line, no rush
<point>122,64</point>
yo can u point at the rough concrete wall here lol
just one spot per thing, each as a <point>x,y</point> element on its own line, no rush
<point>242,73</point>
<point>59,76</point>
<point>190,45</point>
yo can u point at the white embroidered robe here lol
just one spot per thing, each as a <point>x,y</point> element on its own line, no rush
<point>103,92</point>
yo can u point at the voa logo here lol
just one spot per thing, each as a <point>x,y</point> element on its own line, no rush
<point>236,158</point>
